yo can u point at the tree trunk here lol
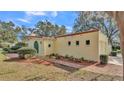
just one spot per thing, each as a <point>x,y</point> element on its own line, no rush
<point>120,22</point>
<point>119,17</point>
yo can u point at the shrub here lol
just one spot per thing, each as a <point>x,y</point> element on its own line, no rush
<point>103,59</point>
<point>114,48</point>
<point>66,56</point>
<point>114,53</point>
<point>21,44</point>
<point>57,56</point>
<point>7,49</point>
<point>82,58</point>
<point>15,47</point>
<point>18,45</point>
<point>52,54</point>
<point>71,58</point>
<point>25,51</point>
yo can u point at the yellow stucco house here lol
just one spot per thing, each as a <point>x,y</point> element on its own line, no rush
<point>89,44</point>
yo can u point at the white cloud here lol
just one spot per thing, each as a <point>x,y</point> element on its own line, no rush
<point>35,13</point>
<point>69,29</point>
<point>41,13</point>
<point>30,14</point>
<point>23,20</point>
<point>54,14</point>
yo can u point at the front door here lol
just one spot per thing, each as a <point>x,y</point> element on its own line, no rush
<point>36,46</point>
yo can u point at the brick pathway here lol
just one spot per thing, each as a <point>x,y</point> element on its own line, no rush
<point>109,69</point>
<point>67,64</point>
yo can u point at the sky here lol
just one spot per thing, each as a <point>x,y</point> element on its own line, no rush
<point>30,18</point>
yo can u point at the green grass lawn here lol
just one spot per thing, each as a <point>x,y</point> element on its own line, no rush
<point>15,70</point>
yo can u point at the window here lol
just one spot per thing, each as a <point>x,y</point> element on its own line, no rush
<point>77,42</point>
<point>87,42</point>
<point>49,45</point>
<point>69,43</point>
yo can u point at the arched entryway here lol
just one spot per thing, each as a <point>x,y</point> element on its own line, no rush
<point>36,46</point>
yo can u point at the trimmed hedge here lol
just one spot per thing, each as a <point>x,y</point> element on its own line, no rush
<point>114,53</point>
<point>9,50</point>
<point>15,47</point>
<point>6,49</point>
<point>103,59</point>
<point>21,44</point>
<point>26,52</point>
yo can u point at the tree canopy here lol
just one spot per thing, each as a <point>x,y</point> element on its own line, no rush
<point>47,28</point>
<point>96,19</point>
<point>8,32</point>
<point>11,33</point>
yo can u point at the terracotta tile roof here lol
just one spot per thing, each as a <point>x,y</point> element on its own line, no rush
<point>35,36</point>
<point>89,31</point>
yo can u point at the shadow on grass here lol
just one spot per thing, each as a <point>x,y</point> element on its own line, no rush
<point>14,60</point>
<point>67,68</point>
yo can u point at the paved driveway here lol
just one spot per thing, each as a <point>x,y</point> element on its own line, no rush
<point>116,60</point>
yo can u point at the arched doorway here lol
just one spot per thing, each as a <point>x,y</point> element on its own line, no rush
<point>36,46</point>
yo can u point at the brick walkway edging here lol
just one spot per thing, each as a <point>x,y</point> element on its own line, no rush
<point>109,69</point>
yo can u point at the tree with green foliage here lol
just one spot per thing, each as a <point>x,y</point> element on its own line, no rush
<point>47,28</point>
<point>8,32</point>
<point>95,19</point>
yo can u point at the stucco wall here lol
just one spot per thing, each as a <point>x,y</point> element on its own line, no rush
<point>49,50</point>
<point>98,45</point>
<point>40,43</point>
<point>103,44</point>
<point>89,52</point>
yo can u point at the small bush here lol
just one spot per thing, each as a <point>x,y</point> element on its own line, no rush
<point>21,44</point>
<point>52,54</point>
<point>114,53</point>
<point>103,59</point>
<point>82,58</point>
<point>25,51</point>
<point>15,47</point>
<point>28,56</point>
<point>7,49</point>
<point>66,56</point>
<point>57,56</point>
<point>71,58</point>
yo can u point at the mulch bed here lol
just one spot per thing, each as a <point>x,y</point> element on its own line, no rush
<point>85,62</point>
